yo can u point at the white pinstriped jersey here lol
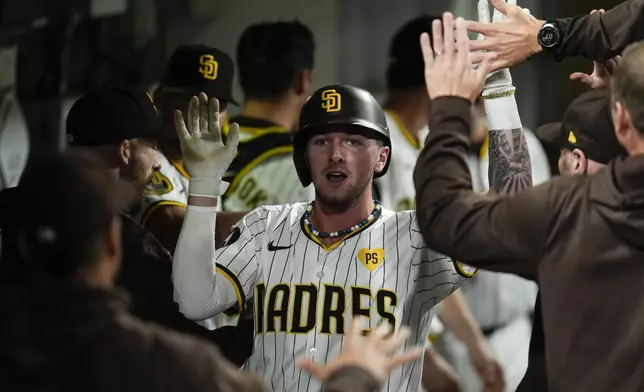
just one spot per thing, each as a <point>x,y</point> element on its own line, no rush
<point>305,294</point>
<point>263,172</point>
<point>396,188</point>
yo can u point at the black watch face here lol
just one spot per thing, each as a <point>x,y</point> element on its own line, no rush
<point>548,36</point>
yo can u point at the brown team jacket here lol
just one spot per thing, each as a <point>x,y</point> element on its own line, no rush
<point>82,339</point>
<point>600,37</point>
<point>582,237</point>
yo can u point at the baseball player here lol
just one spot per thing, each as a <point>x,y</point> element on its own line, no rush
<point>407,113</point>
<point>276,84</point>
<point>310,267</point>
<point>190,70</point>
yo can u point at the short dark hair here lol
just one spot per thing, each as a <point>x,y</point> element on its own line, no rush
<point>65,205</point>
<point>269,55</point>
<point>627,84</point>
<point>406,67</point>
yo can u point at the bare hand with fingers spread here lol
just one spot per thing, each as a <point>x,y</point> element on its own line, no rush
<point>600,78</point>
<point>513,38</point>
<point>373,353</point>
<point>448,67</point>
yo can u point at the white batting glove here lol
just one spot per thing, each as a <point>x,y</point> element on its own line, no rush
<point>204,154</point>
<point>499,82</point>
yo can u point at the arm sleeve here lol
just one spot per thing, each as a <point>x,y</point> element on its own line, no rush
<point>600,37</point>
<point>501,233</point>
<point>208,281</point>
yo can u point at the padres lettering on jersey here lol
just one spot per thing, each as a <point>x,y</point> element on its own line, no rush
<point>263,171</point>
<point>305,294</point>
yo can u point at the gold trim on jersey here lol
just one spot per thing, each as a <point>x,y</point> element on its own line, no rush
<point>405,132</point>
<point>180,168</point>
<point>461,271</point>
<point>156,206</point>
<point>334,245</point>
<point>484,147</point>
<point>255,162</point>
<point>239,291</point>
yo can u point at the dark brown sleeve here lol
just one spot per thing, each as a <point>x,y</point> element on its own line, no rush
<point>350,379</point>
<point>598,37</point>
<point>499,233</point>
<point>220,375</point>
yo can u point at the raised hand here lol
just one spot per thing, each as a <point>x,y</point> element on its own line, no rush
<point>373,353</point>
<point>448,67</point>
<point>499,81</point>
<point>600,78</point>
<point>204,153</point>
<point>513,38</point>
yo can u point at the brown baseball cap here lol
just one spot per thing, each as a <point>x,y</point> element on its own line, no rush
<point>588,126</point>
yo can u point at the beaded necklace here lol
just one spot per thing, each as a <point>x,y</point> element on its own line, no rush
<point>375,213</point>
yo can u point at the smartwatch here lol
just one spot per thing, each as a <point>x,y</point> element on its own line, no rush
<point>549,36</point>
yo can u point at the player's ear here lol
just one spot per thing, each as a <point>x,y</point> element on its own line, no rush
<point>124,151</point>
<point>580,162</point>
<point>383,154</point>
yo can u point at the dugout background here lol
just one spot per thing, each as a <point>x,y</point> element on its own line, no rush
<point>58,49</point>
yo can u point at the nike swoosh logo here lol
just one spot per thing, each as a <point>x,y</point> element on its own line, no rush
<point>273,248</point>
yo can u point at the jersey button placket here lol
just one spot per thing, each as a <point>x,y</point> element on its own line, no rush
<point>319,274</point>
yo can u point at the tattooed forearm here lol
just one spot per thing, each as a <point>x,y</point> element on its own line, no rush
<point>510,169</point>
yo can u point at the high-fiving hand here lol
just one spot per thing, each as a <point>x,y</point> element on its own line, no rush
<point>500,80</point>
<point>513,38</point>
<point>204,153</point>
<point>448,67</point>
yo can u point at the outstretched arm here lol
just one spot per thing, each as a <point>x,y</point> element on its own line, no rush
<point>499,233</point>
<point>197,267</point>
<point>595,37</point>
<point>510,169</point>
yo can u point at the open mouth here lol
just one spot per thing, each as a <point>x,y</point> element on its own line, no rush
<point>336,177</point>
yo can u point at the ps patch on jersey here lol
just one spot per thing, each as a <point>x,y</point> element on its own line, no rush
<point>158,185</point>
<point>371,258</point>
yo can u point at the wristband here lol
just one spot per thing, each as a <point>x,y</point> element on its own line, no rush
<point>497,94</point>
<point>207,187</point>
